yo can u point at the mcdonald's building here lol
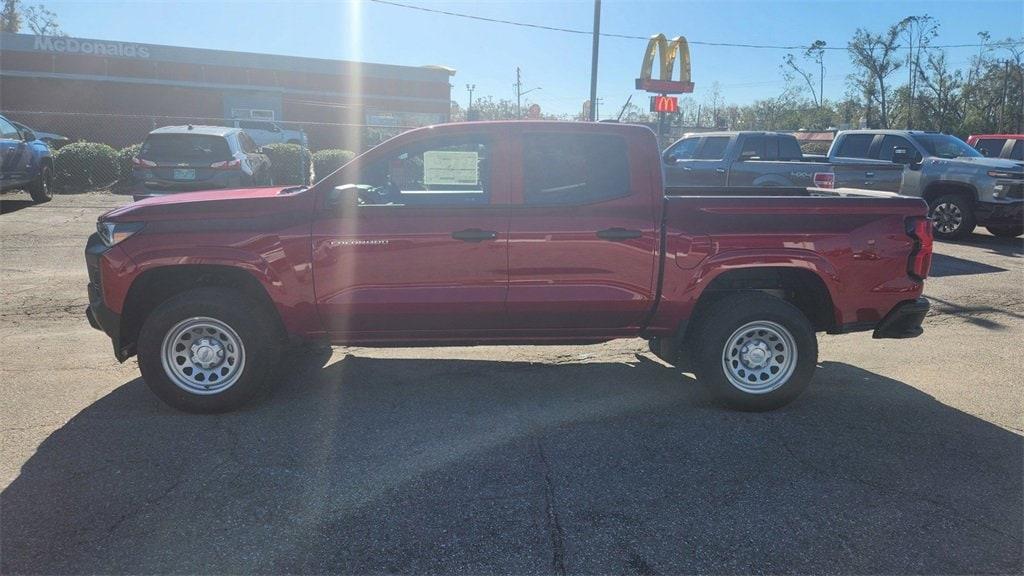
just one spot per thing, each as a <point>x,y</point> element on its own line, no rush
<point>107,91</point>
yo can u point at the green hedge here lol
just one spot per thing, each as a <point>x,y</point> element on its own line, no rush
<point>124,159</point>
<point>289,164</point>
<point>82,166</point>
<point>327,161</point>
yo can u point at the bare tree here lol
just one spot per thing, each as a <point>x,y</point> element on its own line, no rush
<point>41,21</point>
<point>816,54</point>
<point>918,31</point>
<point>875,55</point>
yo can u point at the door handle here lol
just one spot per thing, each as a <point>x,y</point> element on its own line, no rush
<point>687,169</point>
<point>869,174</point>
<point>474,235</point>
<point>720,170</point>
<point>616,234</point>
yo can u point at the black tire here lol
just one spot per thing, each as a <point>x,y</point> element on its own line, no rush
<point>41,189</point>
<point>258,333</point>
<point>952,216</point>
<point>713,344</point>
<point>1011,231</point>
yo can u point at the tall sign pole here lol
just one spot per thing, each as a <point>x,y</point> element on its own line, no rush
<point>593,60</point>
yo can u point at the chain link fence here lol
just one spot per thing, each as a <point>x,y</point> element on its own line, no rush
<point>94,151</point>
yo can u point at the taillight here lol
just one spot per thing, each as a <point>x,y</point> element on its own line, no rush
<point>226,164</point>
<point>920,262</point>
<point>143,163</point>
<point>824,180</point>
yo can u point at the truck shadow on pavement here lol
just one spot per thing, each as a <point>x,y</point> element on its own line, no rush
<point>447,465</point>
<point>944,265</point>
<point>995,245</point>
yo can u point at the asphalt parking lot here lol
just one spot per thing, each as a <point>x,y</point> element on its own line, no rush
<point>905,456</point>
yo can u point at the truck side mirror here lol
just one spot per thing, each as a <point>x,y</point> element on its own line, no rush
<point>902,156</point>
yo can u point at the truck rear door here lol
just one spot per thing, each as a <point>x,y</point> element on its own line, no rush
<point>423,251</point>
<point>583,231</point>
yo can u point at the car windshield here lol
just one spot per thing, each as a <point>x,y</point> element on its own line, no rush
<point>946,146</point>
<point>185,148</point>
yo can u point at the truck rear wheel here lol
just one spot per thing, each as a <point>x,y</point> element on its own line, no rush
<point>952,216</point>
<point>207,350</point>
<point>754,351</point>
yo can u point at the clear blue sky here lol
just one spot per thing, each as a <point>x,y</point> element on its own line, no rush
<point>487,54</point>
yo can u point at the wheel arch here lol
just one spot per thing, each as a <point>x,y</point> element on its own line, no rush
<point>157,285</point>
<point>936,189</point>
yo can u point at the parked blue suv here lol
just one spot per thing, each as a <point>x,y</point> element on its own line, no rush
<point>27,163</point>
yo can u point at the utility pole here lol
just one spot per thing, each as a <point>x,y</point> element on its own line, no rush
<point>593,60</point>
<point>519,93</point>
<point>470,88</point>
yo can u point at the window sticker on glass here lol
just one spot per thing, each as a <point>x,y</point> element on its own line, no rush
<point>446,168</point>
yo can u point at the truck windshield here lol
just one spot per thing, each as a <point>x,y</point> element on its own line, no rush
<point>945,146</point>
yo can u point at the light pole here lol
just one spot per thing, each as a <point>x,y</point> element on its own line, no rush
<point>470,88</point>
<point>593,60</point>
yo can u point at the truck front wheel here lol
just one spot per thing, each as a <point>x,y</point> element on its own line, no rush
<point>952,216</point>
<point>754,351</point>
<point>207,350</point>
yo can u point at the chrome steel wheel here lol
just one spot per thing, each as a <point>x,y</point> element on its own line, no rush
<point>202,355</point>
<point>947,217</point>
<point>759,357</point>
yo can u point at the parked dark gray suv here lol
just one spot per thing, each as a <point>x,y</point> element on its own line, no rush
<point>188,158</point>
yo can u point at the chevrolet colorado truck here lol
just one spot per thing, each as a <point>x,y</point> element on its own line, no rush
<point>502,233</point>
<point>768,159</point>
<point>963,188</point>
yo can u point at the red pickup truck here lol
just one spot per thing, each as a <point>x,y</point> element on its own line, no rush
<point>503,233</point>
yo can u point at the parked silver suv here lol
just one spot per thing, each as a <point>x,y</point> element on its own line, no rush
<point>265,132</point>
<point>962,187</point>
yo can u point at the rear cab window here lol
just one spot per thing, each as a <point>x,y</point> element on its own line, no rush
<point>191,148</point>
<point>789,149</point>
<point>1017,153</point>
<point>444,171</point>
<point>563,169</point>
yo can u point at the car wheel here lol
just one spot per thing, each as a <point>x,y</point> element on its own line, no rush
<point>41,189</point>
<point>952,217</point>
<point>206,350</point>
<point>754,351</point>
<point>1011,231</point>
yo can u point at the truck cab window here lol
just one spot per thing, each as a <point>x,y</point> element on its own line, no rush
<point>713,148</point>
<point>855,146</point>
<point>789,149</point>
<point>753,148</point>
<point>991,147</point>
<point>890,143</point>
<point>1017,153</point>
<point>682,150</point>
<point>438,172</point>
<point>574,168</point>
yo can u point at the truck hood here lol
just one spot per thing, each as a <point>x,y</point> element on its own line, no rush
<point>986,163</point>
<point>239,203</point>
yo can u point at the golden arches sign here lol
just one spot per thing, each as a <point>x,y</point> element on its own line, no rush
<point>668,52</point>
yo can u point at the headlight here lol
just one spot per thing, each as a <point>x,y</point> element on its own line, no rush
<point>113,232</point>
<point>1006,174</point>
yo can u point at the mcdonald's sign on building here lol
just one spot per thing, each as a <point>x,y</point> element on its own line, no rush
<point>668,52</point>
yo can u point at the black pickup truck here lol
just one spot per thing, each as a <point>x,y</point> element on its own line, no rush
<point>768,159</point>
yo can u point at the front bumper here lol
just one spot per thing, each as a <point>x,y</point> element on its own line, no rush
<point>999,212</point>
<point>904,320</point>
<point>99,315</point>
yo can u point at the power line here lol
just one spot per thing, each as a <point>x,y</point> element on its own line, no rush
<point>999,44</point>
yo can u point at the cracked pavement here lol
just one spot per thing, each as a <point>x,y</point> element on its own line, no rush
<point>905,456</point>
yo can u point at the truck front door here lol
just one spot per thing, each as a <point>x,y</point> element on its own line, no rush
<point>414,243</point>
<point>583,234</point>
<point>697,161</point>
